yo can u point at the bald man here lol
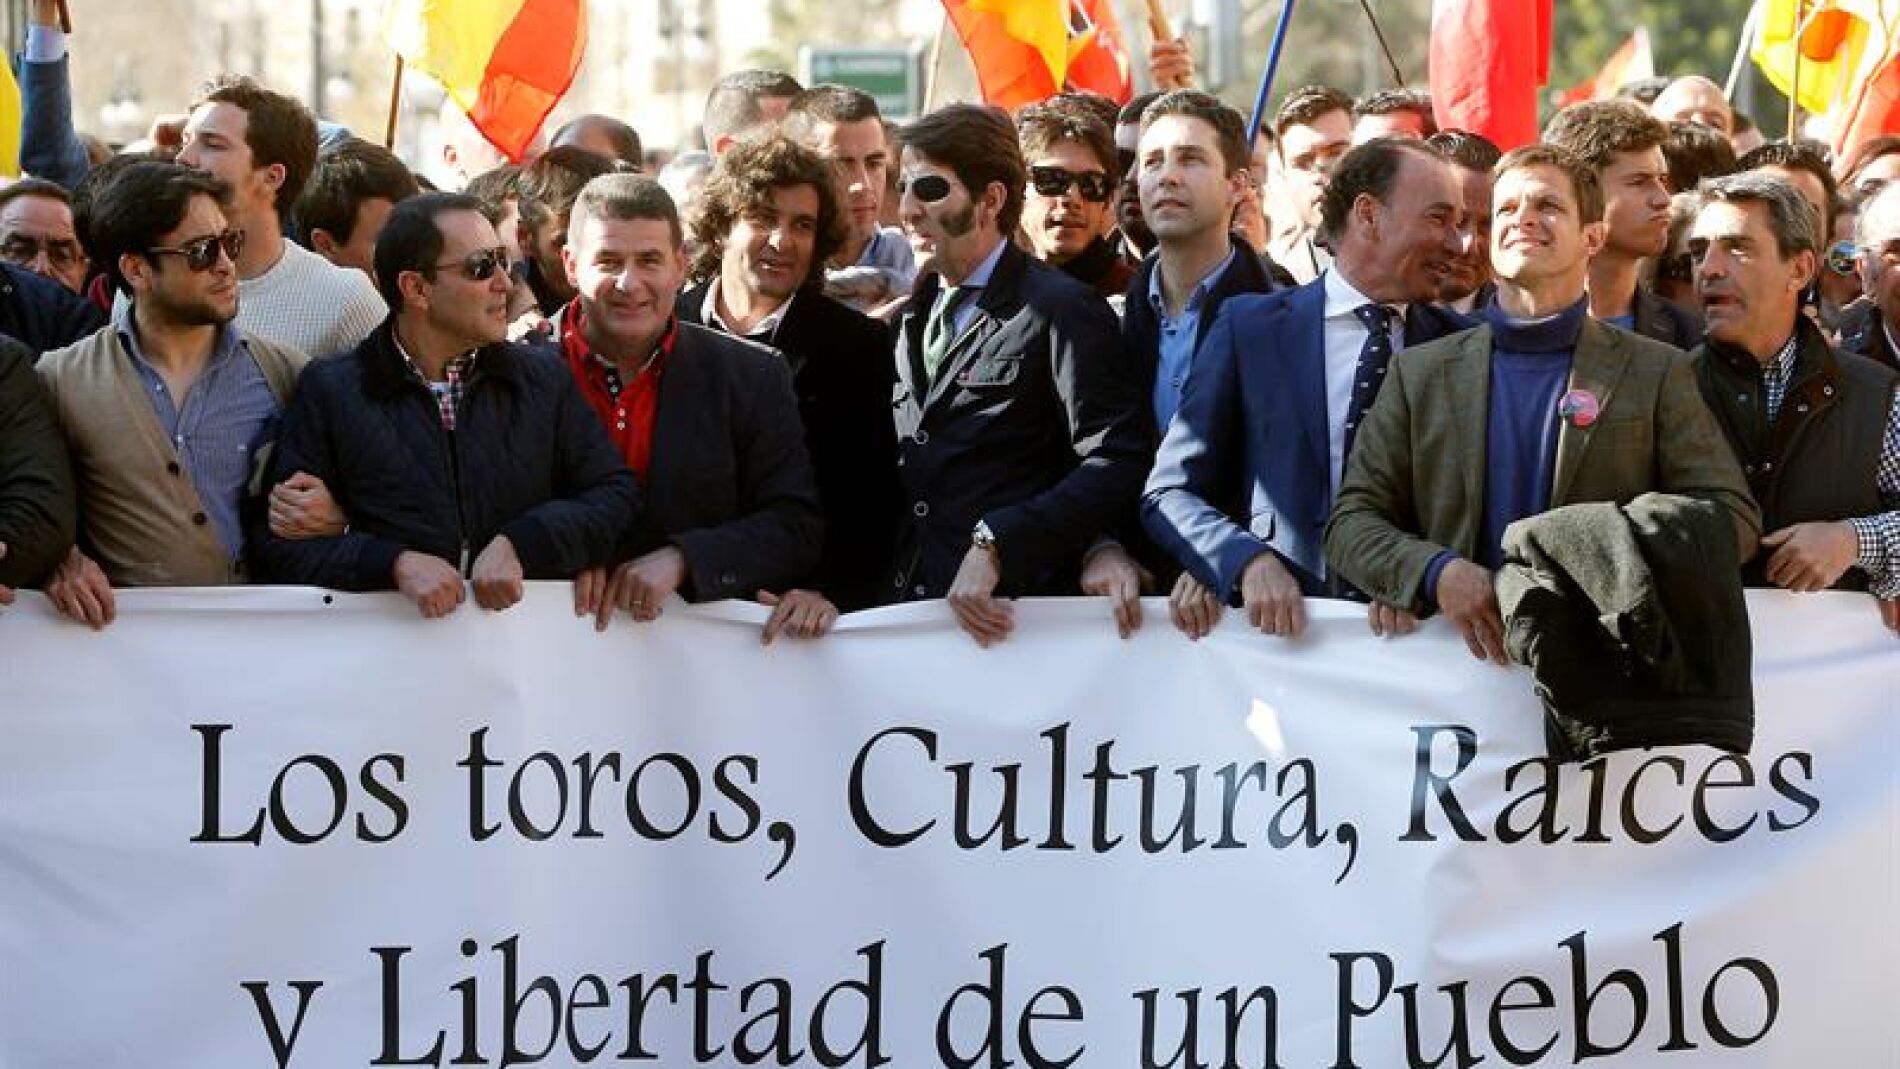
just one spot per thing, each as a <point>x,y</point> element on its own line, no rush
<point>1695,99</point>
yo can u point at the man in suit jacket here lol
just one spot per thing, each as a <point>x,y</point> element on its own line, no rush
<point>1540,407</point>
<point>1282,379</point>
<point>1019,432</point>
<point>709,423</point>
<point>766,224</point>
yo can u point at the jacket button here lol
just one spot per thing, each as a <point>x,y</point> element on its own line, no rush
<point>1801,407</point>
<point>918,590</point>
<point>200,519</point>
<point>920,509</point>
<point>922,437</point>
<point>1768,465</point>
<point>728,579</point>
<point>1748,469</point>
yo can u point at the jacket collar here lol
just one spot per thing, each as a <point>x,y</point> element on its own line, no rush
<point>386,374</point>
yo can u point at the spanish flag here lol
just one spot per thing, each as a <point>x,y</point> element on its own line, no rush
<point>1839,58</point>
<point>506,62</point>
<point>1489,59</point>
<point>1029,50</point>
<point>1630,63</point>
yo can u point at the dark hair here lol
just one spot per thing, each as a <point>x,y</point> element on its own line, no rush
<point>1307,103</point>
<point>624,138</point>
<point>1371,169</point>
<point>139,204</point>
<point>547,187</point>
<point>834,104</point>
<point>625,195</point>
<point>1040,126</point>
<point>978,144</point>
<point>277,128</point>
<point>88,190</point>
<point>1865,154</point>
<point>34,187</point>
<point>1598,131</point>
<point>1584,183</point>
<point>1695,152</point>
<point>495,187</point>
<point>1132,111</point>
<point>1473,152</point>
<point>349,174</point>
<point>743,180</point>
<point>1392,101</point>
<point>1803,155</point>
<point>1093,103</point>
<point>1230,130</point>
<point>733,108</point>
<point>412,240</point>
<point>1788,214</point>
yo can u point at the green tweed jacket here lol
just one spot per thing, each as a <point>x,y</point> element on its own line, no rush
<point>1414,484</point>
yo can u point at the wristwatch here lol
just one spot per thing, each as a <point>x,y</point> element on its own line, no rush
<point>985,539</point>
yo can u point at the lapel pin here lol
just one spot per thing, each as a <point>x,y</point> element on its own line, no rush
<point>1579,408</point>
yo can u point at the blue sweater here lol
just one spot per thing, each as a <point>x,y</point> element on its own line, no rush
<point>1530,371</point>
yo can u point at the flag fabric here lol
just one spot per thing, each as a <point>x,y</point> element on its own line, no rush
<point>1489,59</point>
<point>1839,58</point>
<point>1631,62</point>
<point>11,115</point>
<point>506,63</point>
<point>1029,50</point>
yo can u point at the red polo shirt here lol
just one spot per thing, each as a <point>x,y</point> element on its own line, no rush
<point>627,409</point>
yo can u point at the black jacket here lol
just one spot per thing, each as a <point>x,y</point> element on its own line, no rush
<point>1033,425</point>
<point>730,482</point>
<point>842,374</point>
<point>1666,321</point>
<point>36,475</point>
<point>42,314</point>
<point>527,459</point>
<point>1633,621</point>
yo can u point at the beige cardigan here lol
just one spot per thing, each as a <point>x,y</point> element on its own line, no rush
<point>139,514</point>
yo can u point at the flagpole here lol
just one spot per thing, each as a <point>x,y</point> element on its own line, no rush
<point>1751,27</point>
<point>936,62</point>
<point>1273,66</point>
<point>1794,84</point>
<point>395,105</point>
<point>1379,32</point>
<point>1159,29</point>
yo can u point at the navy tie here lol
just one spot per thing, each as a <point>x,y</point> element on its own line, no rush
<point>1374,357</point>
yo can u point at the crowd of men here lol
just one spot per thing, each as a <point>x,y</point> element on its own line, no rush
<point>830,363</point>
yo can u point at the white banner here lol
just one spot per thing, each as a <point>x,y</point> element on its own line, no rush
<point>284,828</point>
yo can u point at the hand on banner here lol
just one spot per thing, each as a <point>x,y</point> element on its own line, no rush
<point>797,614</point>
<point>641,585</point>
<point>1111,573</point>
<point>497,575</point>
<point>431,583</point>
<point>1811,556</point>
<point>1193,607</point>
<point>1889,613</point>
<point>301,507</point>
<point>1390,620</point>
<point>1466,596</point>
<point>987,618</point>
<point>1171,63</point>
<point>80,590</point>
<point>1271,597</point>
<point>6,592</point>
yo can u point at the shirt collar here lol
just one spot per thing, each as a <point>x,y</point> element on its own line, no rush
<point>452,370</point>
<point>227,341</point>
<point>1196,298</point>
<point>1344,299</point>
<point>1781,365</point>
<point>980,277</point>
<point>765,328</point>
<point>574,340</point>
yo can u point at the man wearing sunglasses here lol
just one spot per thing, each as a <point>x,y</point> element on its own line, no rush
<point>171,409</point>
<point>42,268</point>
<point>1071,157</point>
<point>456,454</point>
<point>1871,333</point>
<point>1817,431</point>
<point>1019,430</point>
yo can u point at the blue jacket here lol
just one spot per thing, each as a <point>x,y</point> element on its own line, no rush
<point>528,459</point>
<point>1252,433</point>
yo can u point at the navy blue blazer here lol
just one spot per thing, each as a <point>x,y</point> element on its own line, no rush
<point>1252,431</point>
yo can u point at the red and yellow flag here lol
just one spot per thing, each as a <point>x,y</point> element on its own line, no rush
<point>1631,62</point>
<point>1839,58</point>
<point>505,62</point>
<point>1029,50</point>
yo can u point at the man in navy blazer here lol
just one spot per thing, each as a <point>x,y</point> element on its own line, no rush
<point>1281,380</point>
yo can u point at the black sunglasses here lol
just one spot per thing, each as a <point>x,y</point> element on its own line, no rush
<point>929,188</point>
<point>1055,181</point>
<point>201,254</point>
<point>481,266</point>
